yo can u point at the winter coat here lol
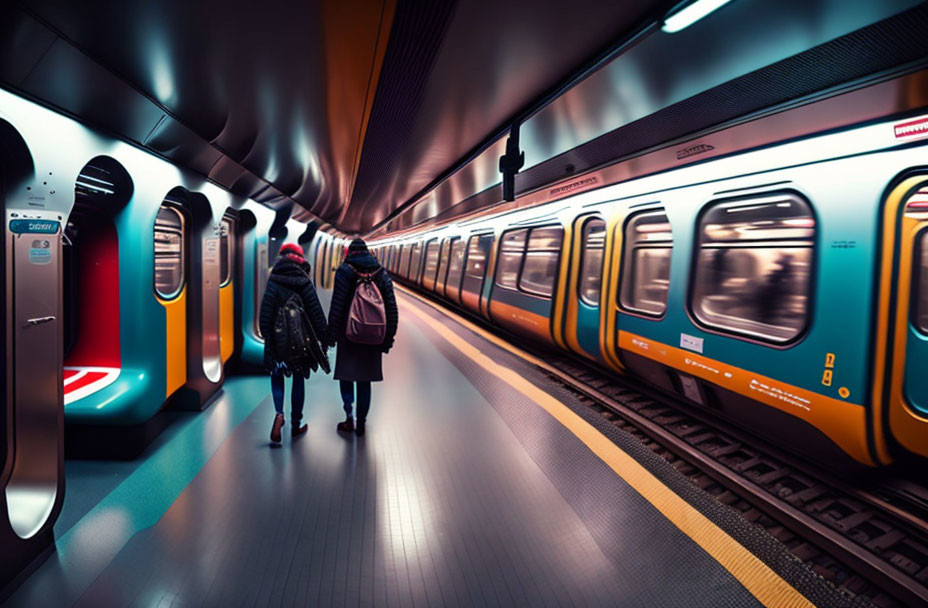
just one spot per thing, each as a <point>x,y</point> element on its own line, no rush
<point>288,276</point>
<point>359,362</point>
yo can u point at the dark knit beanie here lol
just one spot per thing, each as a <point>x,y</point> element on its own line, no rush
<point>357,246</point>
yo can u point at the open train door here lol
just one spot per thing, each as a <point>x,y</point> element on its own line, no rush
<point>900,392</point>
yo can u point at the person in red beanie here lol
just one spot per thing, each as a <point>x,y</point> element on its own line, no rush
<point>290,276</point>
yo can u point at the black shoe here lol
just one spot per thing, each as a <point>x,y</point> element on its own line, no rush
<point>359,430</point>
<point>345,426</point>
<point>296,431</point>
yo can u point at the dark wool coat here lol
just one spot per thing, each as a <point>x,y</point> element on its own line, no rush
<point>359,362</point>
<point>289,276</point>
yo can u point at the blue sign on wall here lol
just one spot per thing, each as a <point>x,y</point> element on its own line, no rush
<point>34,226</point>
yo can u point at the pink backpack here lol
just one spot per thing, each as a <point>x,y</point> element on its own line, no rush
<point>367,315</point>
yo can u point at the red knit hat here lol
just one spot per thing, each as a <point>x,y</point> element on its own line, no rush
<point>291,248</point>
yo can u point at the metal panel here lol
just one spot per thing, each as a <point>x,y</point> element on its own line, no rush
<point>212,358</point>
<point>37,383</point>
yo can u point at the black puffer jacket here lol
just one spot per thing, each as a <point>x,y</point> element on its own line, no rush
<point>359,362</point>
<point>289,276</point>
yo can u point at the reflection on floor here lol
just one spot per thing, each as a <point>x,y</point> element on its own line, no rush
<point>463,492</point>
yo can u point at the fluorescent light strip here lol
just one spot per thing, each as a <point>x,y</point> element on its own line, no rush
<point>691,14</point>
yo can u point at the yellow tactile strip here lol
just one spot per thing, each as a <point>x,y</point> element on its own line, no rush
<point>762,582</point>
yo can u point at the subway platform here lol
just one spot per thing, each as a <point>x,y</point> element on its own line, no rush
<point>480,482</point>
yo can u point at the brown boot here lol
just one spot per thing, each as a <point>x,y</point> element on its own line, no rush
<point>275,430</point>
<point>346,426</point>
<point>297,431</point>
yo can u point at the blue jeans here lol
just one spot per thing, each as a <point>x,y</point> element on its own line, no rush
<point>297,394</point>
<point>364,397</point>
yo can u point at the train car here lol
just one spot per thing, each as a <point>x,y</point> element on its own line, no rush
<point>158,271</point>
<point>731,283</point>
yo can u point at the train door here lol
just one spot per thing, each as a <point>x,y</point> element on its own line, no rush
<point>211,262</point>
<point>442,275</point>
<point>580,321</point>
<point>430,268</point>
<point>91,316</point>
<point>455,270</point>
<point>415,263</point>
<point>261,273</point>
<point>228,246</point>
<point>202,234</point>
<point>475,271</point>
<point>445,265</point>
<point>639,287</point>
<point>35,272</point>
<point>900,392</point>
<point>170,254</point>
<point>31,417</point>
<point>526,275</point>
<point>404,261</point>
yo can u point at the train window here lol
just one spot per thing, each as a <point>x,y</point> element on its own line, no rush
<point>511,253</point>
<point>169,252</point>
<point>442,265</point>
<point>431,260</point>
<point>753,267</point>
<point>591,260</point>
<point>225,252</point>
<point>476,259</point>
<point>921,278</point>
<point>540,270</point>
<point>456,264</point>
<point>404,262</point>
<point>646,264</point>
<point>415,262</point>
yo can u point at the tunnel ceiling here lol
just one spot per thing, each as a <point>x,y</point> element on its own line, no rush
<point>347,107</point>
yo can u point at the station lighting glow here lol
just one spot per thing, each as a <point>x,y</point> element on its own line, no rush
<point>691,14</point>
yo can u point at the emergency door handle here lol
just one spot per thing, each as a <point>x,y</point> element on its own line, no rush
<point>39,320</point>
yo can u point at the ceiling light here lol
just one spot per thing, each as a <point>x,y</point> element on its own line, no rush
<point>691,14</point>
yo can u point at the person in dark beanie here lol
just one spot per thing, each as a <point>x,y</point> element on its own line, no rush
<point>289,276</point>
<point>359,364</point>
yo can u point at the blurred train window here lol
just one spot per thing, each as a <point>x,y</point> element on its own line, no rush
<point>511,253</point>
<point>431,260</point>
<point>591,260</point>
<point>754,267</point>
<point>921,304</point>
<point>169,252</point>
<point>442,275</point>
<point>645,279</point>
<point>415,262</point>
<point>456,264</point>
<point>539,272</point>
<point>404,262</point>
<point>226,251</point>
<point>476,259</point>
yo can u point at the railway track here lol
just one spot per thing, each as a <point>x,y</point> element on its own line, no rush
<point>871,543</point>
<point>869,538</point>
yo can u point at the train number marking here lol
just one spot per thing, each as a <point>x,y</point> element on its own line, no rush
<point>829,373</point>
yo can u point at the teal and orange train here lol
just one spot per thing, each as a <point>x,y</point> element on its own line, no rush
<point>781,281</point>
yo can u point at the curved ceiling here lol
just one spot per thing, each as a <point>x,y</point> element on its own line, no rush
<point>347,107</point>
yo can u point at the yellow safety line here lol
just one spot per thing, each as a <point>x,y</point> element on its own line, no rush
<point>763,583</point>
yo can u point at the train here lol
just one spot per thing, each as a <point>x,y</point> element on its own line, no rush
<point>781,286</point>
